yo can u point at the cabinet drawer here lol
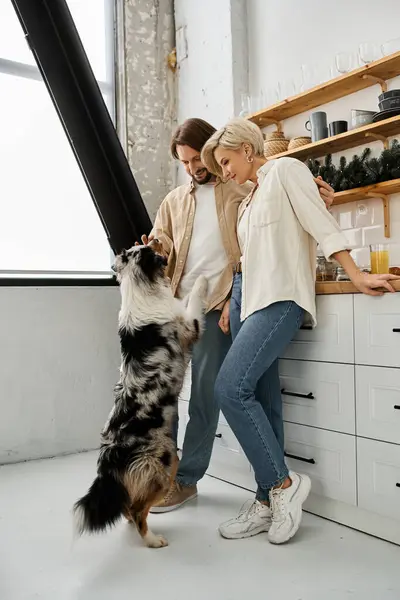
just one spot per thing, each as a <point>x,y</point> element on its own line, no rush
<point>378,403</point>
<point>228,460</point>
<point>332,339</point>
<point>318,394</point>
<point>378,467</point>
<point>377,330</point>
<point>329,459</point>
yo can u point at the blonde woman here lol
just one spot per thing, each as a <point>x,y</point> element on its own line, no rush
<point>279,226</point>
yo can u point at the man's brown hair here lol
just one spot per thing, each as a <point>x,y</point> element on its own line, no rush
<point>193,133</point>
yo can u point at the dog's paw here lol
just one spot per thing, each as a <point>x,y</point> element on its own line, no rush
<point>155,541</point>
<point>201,287</point>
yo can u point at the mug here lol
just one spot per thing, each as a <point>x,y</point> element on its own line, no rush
<point>318,126</point>
<point>337,127</point>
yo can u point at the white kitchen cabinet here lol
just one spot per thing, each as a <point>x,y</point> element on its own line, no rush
<point>328,458</point>
<point>378,403</point>
<point>332,340</point>
<point>377,330</point>
<point>318,394</point>
<point>379,478</point>
<point>228,460</point>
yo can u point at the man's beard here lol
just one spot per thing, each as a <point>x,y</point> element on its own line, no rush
<point>205,176</point>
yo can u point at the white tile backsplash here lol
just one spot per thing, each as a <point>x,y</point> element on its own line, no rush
<point>373,235</point>
<point>363,224</point>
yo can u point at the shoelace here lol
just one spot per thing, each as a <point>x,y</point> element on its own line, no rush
<point>249,508</point>
<point>278,505</point>
<point>174,488</point>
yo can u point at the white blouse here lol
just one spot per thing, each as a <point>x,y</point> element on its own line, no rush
<point>278,234</point>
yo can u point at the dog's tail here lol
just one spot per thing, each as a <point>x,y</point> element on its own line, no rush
<point>108,499</point>
<point>102,506</point>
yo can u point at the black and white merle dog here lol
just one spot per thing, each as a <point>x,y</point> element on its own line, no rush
<point>138,455</point>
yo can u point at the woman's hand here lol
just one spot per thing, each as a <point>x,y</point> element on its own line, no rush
<point>326,191</point>
<point>368,284</point>
<point>223,323</point>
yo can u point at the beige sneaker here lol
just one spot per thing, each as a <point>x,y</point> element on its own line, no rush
<point>176,496</point>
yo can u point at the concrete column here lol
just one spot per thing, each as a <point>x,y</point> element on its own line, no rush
<point>149,32</point>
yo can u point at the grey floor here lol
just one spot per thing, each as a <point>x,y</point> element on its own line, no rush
<point>40,559</point>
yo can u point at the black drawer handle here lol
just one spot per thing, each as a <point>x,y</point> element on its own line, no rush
<point>396,330</point>
<point>306,327</point>
<point>310,395</point>
<point>397,484</point>
<point>218,435</point>
<point>311,461</point>
<point>396,406</point>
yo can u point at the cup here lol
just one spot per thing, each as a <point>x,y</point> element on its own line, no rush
<point>337,127</point>
<point>379,254</point>
<point>318,126</point>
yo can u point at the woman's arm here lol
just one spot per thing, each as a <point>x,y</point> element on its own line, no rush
<point>319,223</point>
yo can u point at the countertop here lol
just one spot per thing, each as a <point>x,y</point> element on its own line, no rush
<point>344,287</point>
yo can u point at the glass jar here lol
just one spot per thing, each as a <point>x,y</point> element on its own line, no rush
<point>341,274</point>
<point>321,269</point>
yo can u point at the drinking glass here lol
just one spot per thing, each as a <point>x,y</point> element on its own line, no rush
<point>391,46</point>
<point>346,62</point>
<point>368,52</point>
<point>379,254</point>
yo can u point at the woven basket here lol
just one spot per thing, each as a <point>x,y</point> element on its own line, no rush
<point>296,142</point>
<point>274,135</point>
<point>272,147</point>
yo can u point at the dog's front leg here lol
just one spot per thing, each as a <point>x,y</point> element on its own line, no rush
<point>197,299</point>
<point>194,313</point>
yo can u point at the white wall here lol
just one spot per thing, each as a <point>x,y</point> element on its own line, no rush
<point>205,75</point>
<point>283,35</point>
<point>59,360</point>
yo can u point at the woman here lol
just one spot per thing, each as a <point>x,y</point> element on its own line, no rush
<point>279,226</point>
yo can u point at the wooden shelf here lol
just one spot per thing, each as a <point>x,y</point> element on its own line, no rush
<point>361,193</point>
<point>378,190</point>
<point>345,287</point>
<point>364,77</point>
<point>344,141</point>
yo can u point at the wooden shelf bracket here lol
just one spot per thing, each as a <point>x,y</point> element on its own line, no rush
<point>381,82</point>
<point>386,209</point>
<point>379,137</point>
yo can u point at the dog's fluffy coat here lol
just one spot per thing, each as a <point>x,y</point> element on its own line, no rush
<point>138,455</point>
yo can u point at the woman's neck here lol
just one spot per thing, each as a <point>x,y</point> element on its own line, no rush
<point>258,162</point>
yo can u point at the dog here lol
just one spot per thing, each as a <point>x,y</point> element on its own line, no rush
<point>138,460</point>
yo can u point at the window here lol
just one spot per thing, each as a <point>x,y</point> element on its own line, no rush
<point>60,233</point>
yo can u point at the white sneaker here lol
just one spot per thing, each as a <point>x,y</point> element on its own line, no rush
<point>286,507</point>
<point>253,518</point>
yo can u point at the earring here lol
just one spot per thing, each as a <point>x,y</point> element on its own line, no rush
<point>250,159</point>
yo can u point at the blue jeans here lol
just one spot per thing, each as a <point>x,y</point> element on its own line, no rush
<point>208,355</point>
<point>248,389</point>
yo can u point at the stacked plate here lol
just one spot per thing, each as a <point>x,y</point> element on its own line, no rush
<point>389,106</point>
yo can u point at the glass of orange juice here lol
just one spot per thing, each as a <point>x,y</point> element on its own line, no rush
<point>379,254</point>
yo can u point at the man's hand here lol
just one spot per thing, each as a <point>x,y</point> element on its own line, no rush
<point>145,240</point>
<point>326,191</point>
<point>154,243</point>
<point>223,323</point>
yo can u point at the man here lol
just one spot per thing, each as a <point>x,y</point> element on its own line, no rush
<point>196,224</point>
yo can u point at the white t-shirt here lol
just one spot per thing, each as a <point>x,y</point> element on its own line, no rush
<point>242,230</point>
<point>206,254</point>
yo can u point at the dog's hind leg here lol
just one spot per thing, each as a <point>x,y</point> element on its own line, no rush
<point>139,516</point>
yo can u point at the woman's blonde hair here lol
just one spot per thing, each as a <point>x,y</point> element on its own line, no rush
<point>235,133</point>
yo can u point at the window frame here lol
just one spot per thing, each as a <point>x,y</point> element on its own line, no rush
<point>102,162</point>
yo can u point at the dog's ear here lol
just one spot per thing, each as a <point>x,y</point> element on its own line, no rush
<point>120,262</point>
